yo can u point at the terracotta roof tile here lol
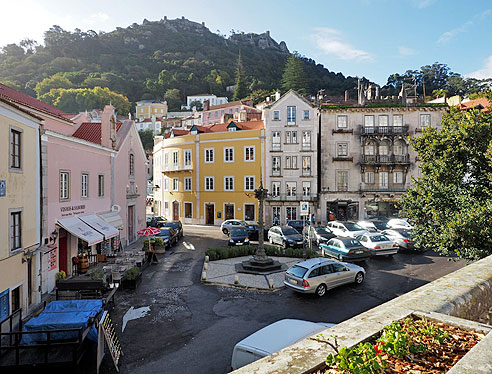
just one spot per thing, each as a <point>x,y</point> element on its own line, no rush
<point>232,103</point>
<point>91,131</point>
<point>482,101</point>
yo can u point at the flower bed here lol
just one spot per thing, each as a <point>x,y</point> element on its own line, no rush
<point>249,250</point>
<point>412,345</point>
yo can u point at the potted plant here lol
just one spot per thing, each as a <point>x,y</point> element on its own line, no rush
<point>98,274</point>
<point>131,278</point>
<point>159,243</point>
<point>61,275</point>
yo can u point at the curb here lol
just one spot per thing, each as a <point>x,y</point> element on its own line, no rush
<point>266,290</point>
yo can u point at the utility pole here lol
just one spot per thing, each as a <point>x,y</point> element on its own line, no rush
<point>261,194</point>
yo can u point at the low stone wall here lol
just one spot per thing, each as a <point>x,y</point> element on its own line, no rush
<point>466,293</point>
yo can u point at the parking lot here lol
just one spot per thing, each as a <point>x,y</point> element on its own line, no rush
<point>192,328</point>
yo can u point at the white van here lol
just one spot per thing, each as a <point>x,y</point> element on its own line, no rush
<point>273,338</point>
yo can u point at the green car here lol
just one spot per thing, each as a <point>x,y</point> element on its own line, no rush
<point>345,249</point>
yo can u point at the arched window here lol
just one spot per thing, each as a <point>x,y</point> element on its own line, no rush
<point>370,149</point>
<point>132,164</point>
<point>398,148</point>
<point>384,148</point>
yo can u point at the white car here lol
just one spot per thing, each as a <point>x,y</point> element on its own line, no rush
<point>346,229</point>
<point>230,224</point>
<point>368,225</point>
<point>397,223</point>
<point>379,244</point>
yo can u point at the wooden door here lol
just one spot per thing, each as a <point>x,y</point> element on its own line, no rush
<point>229,211</point>
<point>210,212</point>
<point>62,250</point>
<point>131,224</point>
<point>176,210</point>
<point>249,212</point>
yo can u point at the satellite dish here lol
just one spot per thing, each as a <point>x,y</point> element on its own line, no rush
<point>116,208</point>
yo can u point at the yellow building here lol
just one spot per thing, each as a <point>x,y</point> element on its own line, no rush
<point>209,173</point>
<point>19,208</point>
<point>149,108</point>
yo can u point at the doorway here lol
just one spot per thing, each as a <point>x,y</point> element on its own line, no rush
<point>249,212</point>
<point>176,210</point>
<point>62,244</point>
<point>229,211</point>
<point>209,214</point>
<point>131,224</point>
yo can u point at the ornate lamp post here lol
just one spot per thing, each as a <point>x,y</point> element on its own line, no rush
<point>261,194</point>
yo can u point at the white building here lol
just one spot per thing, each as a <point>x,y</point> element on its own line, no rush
<point>214,100</point>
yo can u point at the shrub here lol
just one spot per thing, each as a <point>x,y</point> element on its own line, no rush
<point>97,274</point>
<point>221,253</point>
<point>159,242</point>
<point>131,273</point>
<point>61,275</point>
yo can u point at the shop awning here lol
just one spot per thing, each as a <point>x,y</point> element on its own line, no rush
<point>81,230</point>
<point>100,225</point>
<point>113,218</point>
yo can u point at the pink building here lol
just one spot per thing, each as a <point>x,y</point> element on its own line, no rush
<point>241,110</point>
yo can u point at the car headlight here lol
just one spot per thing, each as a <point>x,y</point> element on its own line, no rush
<point>290,240</point>
<point>246,240</point>
<point>231,240</point>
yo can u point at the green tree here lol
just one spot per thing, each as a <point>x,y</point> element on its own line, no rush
<point>147,138</point>
<point>294,77</point>
<point>53,82</point>
<point>173,99</point>
<point>259,95</point>
<point>450,206</point>
<point>241,89</point>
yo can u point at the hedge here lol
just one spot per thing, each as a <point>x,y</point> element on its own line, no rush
<point>221,253</point>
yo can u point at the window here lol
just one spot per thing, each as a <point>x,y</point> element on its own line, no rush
<point>187,182</point>
<point>249,183</point>
<point>15,149</point>
<point>291,115</point>
<point>187,157</point>
<point>16,298</point>
<point>276,115</point>
<point>306,165</point>
<point>166,208</point>
<point>342,180</point>
<point>229,154</point>
<point>276,212</point>
<point>397,120</point>
<point>249,154</point>
<point>228,183</point>
<point>276,140</point>
<point>175,184</point>
<point>425,120</point>
<point>291,212</point>
<point>342,149</point>
<point>306,140</point>
<point>291,188</point>
<point>369,177</point>
<point>276,165</point>
<point>15,230</point>
<point>291,162</point>
<point>85,185</point>
<point>175,159</point>
<point>370,149</point>
<point>383,179</point>
<point>384,149</point>
<point>166,184</point>
<point>383,121</point>
<point>188,210</point>
<point>275,189</point>
<point>398,177</point>
<point>232,128</point>
<point>131,162</point>
<point>291,137</point>
<point>249,212</point>
<point>306,189</point>
<point>100,185</point>
<point>369,124</point>
<point>209,155</point>
<point>64,185</point>
<point>166,160</point>
<point>342,122</point>
<point>398,148</point>
<point>209,183</point>
<point>306,114</point>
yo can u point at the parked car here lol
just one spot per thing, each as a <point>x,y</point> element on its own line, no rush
<point>317,275</point>
<point>379,244</point>
<point>157,222</point>
<point>229,224</point>
<point>273,338</point>
<point>346,249</point>
<point>168,235</point>
<point>380,225</point>
<point>346,228</point>
<point>285,236</point>
<point>238,236</point>
<point>253,230</point>
<point>397,223</point>
<point>368,225</point>
<point>319,234</point>
<point>298,225</point>
<point>177,225</point>
<point>402,237</point>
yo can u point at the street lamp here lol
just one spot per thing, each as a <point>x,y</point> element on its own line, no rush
<point>261,194</point>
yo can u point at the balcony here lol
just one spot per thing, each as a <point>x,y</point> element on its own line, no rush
<point>384,130</point>
<point>293,197</point>
<point>384,159</point>
<point>276,147</point>
<point>392,189</point>
<point>177,167</point>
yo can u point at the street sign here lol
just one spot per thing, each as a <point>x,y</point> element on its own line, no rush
<point>3,188</point>
<point>304,211</point>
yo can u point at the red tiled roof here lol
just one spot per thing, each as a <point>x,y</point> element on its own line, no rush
<point>483,101</point>
<point>23,99</point>
<point>247,125</point>
<point>91,131</point>
<point>19,108</point>
<point>176,132</point>
<point>232,103</point>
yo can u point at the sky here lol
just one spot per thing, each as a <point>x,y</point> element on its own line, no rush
<point>371,38</point>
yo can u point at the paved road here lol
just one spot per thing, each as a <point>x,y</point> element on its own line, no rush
<point>192,328</point>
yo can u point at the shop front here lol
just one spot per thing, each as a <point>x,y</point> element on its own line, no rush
<point>385,208</point>
<point>342,210</point>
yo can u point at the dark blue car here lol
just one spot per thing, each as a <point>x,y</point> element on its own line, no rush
<point>238,236</point>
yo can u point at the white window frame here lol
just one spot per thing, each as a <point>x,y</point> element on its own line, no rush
<point>276,140</point>
<point>188,184</point>
<point>369,177</point>
<point>383,179</point>
<point>398,177</point>
<point>175,159</point>
<point>306,135</point>
<point>166,160</point>
<point>291,189</point>
<point>84,193</point>
<point>100,188</point>
<point>248,150</point>
<point>166,184</point>
<point>342,149</point>
<point>306,165</point>
<point>229,183</point>
<point>291,115</point>
<point>175,184</point>
<point>228,151</point>
<point>276,211</point>
<point>276,171</point>
<point>306,117</point>
<point>249,183</point>
<point>383,118</point>
<point>306,189</point>
<point>11,229</point>
<point>207,181</point>
<point>400,120</point>
<point>276,188</point>
<point>342,176</point>
<point>209,154</point>
<point>342,124</point>
<point>188,156</point>
<point>423,123</point>
<point>64,188</point>
<point>292,216</point>
<point>276,115</point>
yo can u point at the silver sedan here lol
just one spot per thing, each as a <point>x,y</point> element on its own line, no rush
<point>379,244</point>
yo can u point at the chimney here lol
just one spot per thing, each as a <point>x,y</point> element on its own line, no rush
<point>206,105</point>
<point>108,126</point>
<point>277,95</point>
<point>346,96</point>
<point>243,116</point>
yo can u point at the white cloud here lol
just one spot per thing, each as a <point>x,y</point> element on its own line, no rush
<point>331,43</point>
<point>485,72</point>
<point>405,51</point>
<point>448,35</point>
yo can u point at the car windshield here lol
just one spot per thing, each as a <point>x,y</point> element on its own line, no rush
<point>380,225</point>
<point>239,232</point>
<point>406,234</point>
<point>165,232</point>
<point>174,225</point>
<point>322,230</point>
<point>244,223</point>
<point>379,238</point>
<point>351,243</point>
<point>297,271</point>
<point>289,231</point>
<point>352,226</point>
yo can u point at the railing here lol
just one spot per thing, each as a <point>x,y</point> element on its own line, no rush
<point>384,130</point>
<point>276,147</point>
<point>92,261</point>
<point>293,197</point>
<point>381,189</point>
<point>177,167</point>
<point>306,172</point>
<point>385,159</point>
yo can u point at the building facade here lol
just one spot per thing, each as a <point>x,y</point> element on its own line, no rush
<point>212,99</point>
<point>367,162</point>
<point>147,108</point>
<point>291,127</point>
<point>225,112</point>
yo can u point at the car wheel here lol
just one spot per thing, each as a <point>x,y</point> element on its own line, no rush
<point>225,231</point>
<point>321,290</point>
<point>359,278</point>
